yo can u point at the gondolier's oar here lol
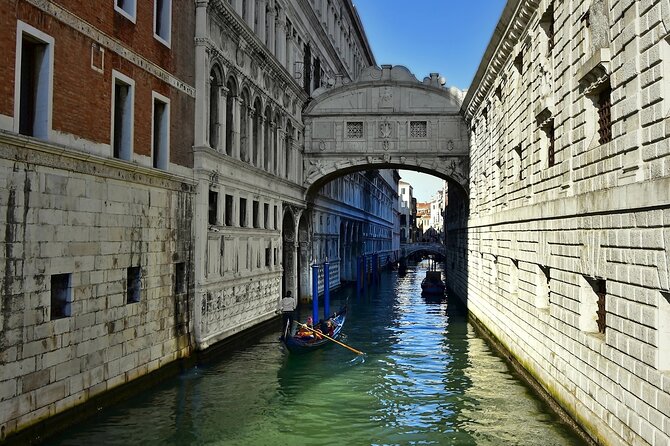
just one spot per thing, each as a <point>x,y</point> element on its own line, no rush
<point>358,352</point>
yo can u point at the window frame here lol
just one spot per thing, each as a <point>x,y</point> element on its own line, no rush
<point>132,16</point>
<point>157,97</point>
<point>122,78</point>
<point>167,14</point>
<point>23,29</point>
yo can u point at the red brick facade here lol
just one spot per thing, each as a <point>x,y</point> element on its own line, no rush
<point>81,95</point>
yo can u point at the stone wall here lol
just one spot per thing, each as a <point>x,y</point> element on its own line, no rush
<point>90,219</point>
<point>561,218</point>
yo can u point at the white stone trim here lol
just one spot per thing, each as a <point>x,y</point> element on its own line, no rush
<point>6,123</point>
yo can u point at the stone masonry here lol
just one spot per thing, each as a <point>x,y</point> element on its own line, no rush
<point>564,256</point>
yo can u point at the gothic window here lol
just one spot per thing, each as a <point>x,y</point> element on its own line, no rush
<point>267,138</point>
<point>418,129</point>
<point>287,146</point>
<point>354,130</point>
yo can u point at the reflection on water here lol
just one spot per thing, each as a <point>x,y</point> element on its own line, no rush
<point>426,379</point>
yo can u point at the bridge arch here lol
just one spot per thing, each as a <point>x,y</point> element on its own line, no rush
<point>386,119</point>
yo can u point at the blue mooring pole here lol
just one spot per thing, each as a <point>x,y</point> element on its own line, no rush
<point>326,290</point>
<point>315,293</point>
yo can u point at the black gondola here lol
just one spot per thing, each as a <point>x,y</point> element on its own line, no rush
<point>303,344</point>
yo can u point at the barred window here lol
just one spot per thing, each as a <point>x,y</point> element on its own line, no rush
<point>418,129</point>
<point>605,116</point>
<point>354,130</point>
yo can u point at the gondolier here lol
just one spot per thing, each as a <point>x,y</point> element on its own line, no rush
<point>287,308</point>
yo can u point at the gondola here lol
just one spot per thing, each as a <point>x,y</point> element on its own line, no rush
<point>298,344</point>
<point>432,284</point>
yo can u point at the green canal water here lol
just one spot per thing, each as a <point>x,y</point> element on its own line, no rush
<point>427,379</point>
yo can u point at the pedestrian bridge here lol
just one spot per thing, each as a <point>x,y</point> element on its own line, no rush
<point>386,119</point>
<point>407,249</point>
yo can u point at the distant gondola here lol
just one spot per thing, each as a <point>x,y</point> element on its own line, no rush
<point>303,344</point>
<point>433,284</point>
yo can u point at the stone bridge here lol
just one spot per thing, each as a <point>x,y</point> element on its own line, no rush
<point>407,249</point>
<point>386,119</point>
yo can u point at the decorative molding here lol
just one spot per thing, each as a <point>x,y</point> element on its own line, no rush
<point>595,72</point>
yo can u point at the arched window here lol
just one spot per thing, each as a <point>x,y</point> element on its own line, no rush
<point>230,117</point>
<point>214,116</point>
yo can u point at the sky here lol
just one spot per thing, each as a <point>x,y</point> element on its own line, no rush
<point>447,37</point>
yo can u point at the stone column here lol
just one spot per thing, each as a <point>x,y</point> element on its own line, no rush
<point>261,141</point>
<point>280,38</point>
<point>251,13</point>
<point>237,120</point>
<point>281,152</point>
<point>202,75</point>
<point>237,4</point>
<point>221,131</point>
<point>252,132</point>
<point>262,11</point>
<point>271,31</point>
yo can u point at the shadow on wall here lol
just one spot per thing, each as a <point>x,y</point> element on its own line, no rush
<point>456,223</point>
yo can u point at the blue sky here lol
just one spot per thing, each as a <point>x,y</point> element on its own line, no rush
<point>447,37</point>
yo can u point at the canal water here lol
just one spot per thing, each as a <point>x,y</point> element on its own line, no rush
<point>427,378</point>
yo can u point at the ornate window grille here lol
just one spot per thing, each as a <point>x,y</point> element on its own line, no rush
<point>418,129</point>
<point>354,130</point>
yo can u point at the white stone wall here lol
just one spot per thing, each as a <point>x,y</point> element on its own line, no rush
<point>90,218</point>
<point>539,233</point>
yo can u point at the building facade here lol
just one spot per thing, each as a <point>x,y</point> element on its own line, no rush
<point>407,209</point>
<point>165,209</point>
<point>562,251</point>
<point>96,199</point>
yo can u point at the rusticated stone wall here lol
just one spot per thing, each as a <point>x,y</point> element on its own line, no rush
<point>563,217</point>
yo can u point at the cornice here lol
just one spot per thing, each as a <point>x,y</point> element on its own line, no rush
<point>512,25</point>
<point>241,29</point>
<point>138,174</point>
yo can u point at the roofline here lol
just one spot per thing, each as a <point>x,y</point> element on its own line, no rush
<point>504,40</point>
<point>361,31</point>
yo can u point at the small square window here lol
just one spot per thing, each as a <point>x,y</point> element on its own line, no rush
<point>354,130</point>
<point>133,284</point>
<point>418,129</point>
<point>61,296</point>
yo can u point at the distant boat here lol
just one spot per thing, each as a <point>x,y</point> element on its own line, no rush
<point>307,343</point>
<point>433,284</point>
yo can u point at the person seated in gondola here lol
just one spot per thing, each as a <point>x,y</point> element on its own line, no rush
<point>305,332</point>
